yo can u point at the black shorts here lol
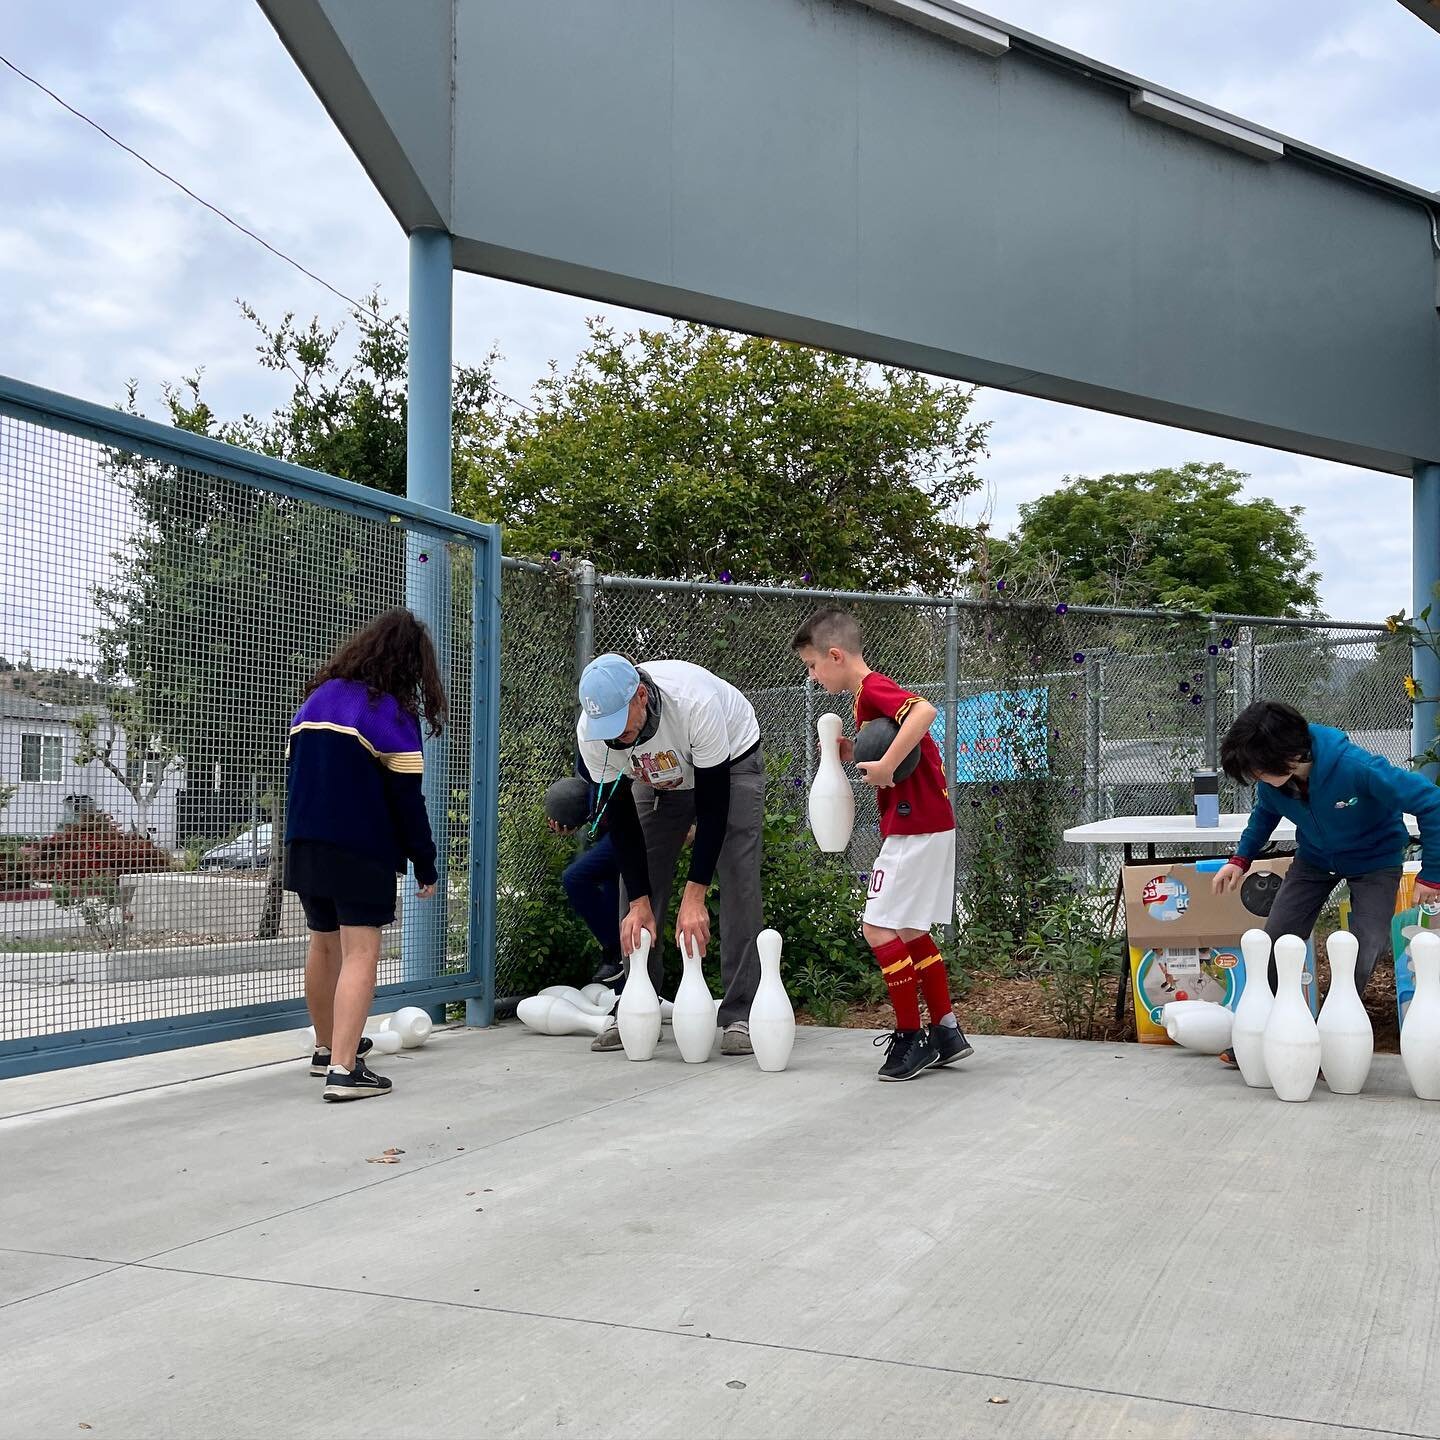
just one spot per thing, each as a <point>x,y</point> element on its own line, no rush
<point>339,887</point>
<point>327,915</point>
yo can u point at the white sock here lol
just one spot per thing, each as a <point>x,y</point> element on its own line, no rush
<point>949,1021</point>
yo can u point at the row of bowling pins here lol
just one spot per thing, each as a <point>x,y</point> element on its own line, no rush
<point>1279,1045</point>
<point>560,1010</point>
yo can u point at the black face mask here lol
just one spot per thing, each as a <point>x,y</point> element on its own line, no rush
<point>652,718</point>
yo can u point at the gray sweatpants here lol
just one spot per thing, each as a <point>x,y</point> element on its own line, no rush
<point>665,818</point>
<point>1302,896</point>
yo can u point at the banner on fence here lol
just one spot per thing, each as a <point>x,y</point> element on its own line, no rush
<point>999,735</point>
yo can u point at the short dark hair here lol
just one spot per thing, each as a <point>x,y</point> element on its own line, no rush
<point>828,627</point>
<point>1266,738</point>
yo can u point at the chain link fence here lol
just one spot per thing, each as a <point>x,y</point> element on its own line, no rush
<point>163,612</point>
<point>1048,716</point>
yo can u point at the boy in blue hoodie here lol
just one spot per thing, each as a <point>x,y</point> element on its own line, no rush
<point>1348,807</point>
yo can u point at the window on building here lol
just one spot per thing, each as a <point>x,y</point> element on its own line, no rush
<point>42,757</point>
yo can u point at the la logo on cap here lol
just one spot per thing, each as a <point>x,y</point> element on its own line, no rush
<point>592,707</point>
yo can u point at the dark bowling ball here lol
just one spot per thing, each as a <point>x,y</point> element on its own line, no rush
<point>875,738</point>
<point>567,802</point>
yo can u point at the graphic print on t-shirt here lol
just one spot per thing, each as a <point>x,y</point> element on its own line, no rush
<point>661,769</point>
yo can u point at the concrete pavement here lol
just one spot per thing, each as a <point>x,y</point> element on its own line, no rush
<point>1111,1240</point>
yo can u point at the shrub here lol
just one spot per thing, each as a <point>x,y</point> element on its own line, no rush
<point>82,855</point>
<point>1073,961</point>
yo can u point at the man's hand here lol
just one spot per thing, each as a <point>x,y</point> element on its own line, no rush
<point>1227,877</point>
<point>846,746</point>
<point>425,892</point>
<point>878,773</point>
<point>639,917</point>
<point>556,828</point>
<point>1426,893</point>
<point>693,920</point>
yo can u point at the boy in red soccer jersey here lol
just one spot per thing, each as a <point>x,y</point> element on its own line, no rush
<point>912,883</point>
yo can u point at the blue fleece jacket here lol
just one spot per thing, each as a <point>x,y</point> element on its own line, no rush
<point>1353,820</point>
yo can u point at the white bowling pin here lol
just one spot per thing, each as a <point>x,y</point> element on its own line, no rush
<point>601,995</point>
<point>832,801</point>
<point>693,1016</point>
<point>638,1013</point>
<point>1247,1037</point>
<point>387,1042</point>
<point>1205,1029</point>
<point>555,1015</point>
<point>1420,1034</point>
<point>772,1018</point>
<point>1292,1043</point>
<point>578,999</point>
<point>1347,1041</point>
<point>413,1026</point>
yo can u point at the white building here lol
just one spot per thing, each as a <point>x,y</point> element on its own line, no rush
<point>38,745</point>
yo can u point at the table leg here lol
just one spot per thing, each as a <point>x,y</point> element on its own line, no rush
<point>1123,988</point>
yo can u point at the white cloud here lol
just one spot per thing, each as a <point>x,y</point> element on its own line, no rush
<point>108,272</point>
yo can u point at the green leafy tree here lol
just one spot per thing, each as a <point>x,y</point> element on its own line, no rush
<point>1183,539</point>
<point>225,598</point>
<point>694,453</point>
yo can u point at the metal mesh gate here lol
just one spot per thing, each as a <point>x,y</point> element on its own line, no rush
<point>167,597</point>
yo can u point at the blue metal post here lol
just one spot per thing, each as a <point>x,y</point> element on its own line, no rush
<point>1425,573</point>
<point>484,777</point>
<point>427,577</point>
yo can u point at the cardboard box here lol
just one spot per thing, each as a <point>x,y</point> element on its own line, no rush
<point>1185,941</point>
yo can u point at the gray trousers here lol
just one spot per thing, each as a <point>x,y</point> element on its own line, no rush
<point>1302,896</point>
<point>665,818</point>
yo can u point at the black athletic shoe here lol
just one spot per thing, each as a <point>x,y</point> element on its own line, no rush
<point>320,1060</point>
<point>950,1041</point>
<point>610,970</point>
<point>907,1053</point>
<point>360,1084</point>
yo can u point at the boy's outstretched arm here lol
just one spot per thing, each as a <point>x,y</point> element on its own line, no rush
<point>1259,829</point>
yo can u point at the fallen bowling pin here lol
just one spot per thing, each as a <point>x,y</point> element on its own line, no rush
<point>554,1015</point>
<point>412,1025</point>
<point>1199,1025</point>
<point>387,1042</point>
<point>772,1017</point>
<point>598,994</point>
<point>578,999</point>
<point>638,1014</point>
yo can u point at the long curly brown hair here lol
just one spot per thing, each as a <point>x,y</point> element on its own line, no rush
<point>392,655</point>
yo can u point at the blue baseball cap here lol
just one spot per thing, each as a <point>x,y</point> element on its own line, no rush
<point>607,686</point>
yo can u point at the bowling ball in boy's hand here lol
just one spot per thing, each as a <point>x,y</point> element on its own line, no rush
<point>567,802</point>
<point>875,738</point>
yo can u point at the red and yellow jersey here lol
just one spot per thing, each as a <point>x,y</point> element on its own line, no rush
<point>919,804</point>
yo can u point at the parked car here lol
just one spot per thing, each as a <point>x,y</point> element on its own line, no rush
<point>250,849</point>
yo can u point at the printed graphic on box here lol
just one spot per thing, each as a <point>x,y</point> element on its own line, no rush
<point>1405,924</point>
<point>1185,941</point>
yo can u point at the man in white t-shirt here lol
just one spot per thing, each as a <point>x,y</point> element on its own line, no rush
<point>670,745</point>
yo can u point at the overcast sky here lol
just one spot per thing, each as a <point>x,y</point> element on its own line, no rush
<point>108,272</point>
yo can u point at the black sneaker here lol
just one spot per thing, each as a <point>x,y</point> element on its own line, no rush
<point>320,1060</point>
<point>950,1041</point>
<point>907,1053</point>
<point>359,1084</point>
<point>610,970</point>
